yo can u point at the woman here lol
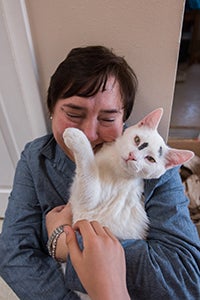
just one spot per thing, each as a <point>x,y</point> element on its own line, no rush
<point>92,89</point>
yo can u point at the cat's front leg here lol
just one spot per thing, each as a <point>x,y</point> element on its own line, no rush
<point>86,186</point>
<point>78,143</point>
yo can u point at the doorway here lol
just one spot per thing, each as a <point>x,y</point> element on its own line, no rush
<point>185,117</point>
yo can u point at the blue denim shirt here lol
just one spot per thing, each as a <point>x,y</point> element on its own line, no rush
<point>165,266</point>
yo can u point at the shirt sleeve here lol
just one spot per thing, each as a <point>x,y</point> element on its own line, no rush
<point>24,262</point>
<point>166,265</point>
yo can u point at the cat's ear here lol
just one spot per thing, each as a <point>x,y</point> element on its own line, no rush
<point>176,157</point>
<point>152,120</point>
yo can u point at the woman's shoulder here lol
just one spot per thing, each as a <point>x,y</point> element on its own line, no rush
<point>39,143</point>
<point>42,145</point>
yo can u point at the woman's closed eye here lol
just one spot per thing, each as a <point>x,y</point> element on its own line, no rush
<point>75,116</point>
<point>109,120</point>
<point>106,121</point>
<point>81,116</point>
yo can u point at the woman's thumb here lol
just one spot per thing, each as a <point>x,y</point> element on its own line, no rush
<point>71,242</point>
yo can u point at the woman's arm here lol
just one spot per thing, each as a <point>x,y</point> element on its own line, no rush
<point>167,264</point>
<point>59,215</point>
<point>24,262</point>
<point>101,264</point>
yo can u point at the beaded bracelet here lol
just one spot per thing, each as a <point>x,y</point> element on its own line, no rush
<point>52,241</point>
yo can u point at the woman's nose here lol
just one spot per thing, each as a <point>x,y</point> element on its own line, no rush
<point>91,130</point>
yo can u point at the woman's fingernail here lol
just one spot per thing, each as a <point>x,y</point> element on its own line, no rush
<point>66,230</point>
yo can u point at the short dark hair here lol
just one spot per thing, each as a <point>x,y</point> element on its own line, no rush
<point>84,73</point>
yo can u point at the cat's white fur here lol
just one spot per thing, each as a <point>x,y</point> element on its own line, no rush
<point>108,186</point>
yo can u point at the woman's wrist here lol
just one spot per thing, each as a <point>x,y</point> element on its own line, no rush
<point>56,244</point>
<point>61,249</point>
<point>56,219</point>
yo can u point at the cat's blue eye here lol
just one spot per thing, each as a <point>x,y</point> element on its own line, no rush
<point>150,159</point>
<point>137,140</point>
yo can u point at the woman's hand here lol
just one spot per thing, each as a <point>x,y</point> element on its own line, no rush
<point>101,265</point>
<point>59,215</point>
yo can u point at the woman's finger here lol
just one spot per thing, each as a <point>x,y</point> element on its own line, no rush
<point>109,233</point>
<point>72,244</point>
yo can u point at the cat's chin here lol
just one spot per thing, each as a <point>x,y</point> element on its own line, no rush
<point>130,168</point>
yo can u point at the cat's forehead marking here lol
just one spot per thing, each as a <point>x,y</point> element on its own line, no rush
<point>142,146</point>
<point>160,151</point>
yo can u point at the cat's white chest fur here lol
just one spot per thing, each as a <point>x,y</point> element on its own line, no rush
<point>118,207</point>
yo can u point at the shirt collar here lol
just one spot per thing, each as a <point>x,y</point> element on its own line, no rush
<point>53,152</point>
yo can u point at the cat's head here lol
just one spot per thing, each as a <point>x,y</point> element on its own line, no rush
<point>143,151</point>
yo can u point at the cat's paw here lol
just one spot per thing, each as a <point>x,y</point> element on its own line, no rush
<point>74,138</point>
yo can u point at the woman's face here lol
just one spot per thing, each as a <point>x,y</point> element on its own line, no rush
<point>100,117</point>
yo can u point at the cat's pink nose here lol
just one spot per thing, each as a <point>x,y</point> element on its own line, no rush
<point>131,156</point>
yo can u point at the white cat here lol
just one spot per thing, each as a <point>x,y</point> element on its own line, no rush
<point>108,186</point>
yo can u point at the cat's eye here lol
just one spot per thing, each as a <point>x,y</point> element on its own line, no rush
<point>150,159</point>
<point>137,140</point>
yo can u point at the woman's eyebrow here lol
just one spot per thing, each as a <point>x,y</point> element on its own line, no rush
<point>106,111</point>
<point>74,106</point>
<point>110,111</point>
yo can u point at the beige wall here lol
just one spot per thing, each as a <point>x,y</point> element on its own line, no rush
<point>146,32</point>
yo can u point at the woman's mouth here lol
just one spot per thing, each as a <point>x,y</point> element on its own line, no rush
<point>97,147</point>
